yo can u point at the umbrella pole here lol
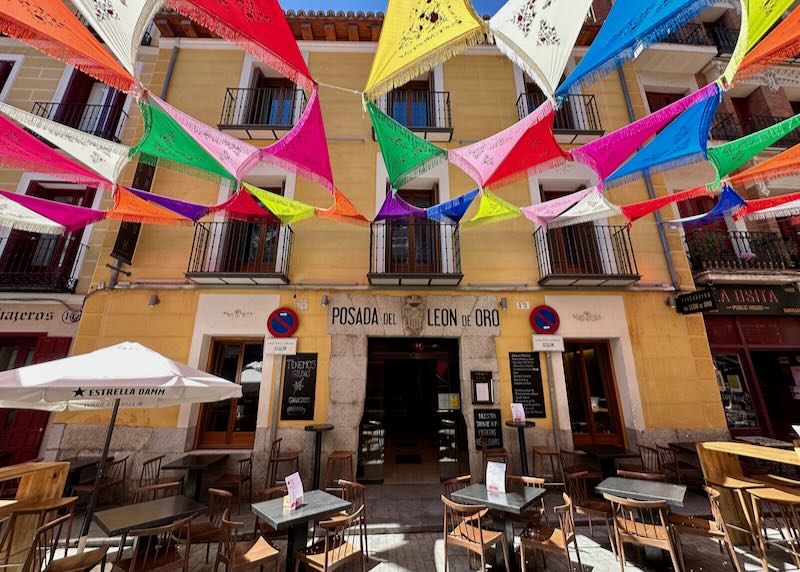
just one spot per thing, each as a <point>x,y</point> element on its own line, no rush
<point>87,518</point>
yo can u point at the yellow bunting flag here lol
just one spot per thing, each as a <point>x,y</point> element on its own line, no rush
<point>493,209</point>
<point>416,36</point>
<point>287,210</point>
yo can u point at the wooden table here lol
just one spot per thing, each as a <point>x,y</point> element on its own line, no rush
<point>513,502</point>
<point>720,463</point>
<point>316,505</point>
<point>765,442</point>
<point>76,467</point>
<point>196,464</point>
<point>642,490</point>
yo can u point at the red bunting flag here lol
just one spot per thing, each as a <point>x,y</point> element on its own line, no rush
<point>635,211</point>
<point>757,205</point>
<point>242,206</point>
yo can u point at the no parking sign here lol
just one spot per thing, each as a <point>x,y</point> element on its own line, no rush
<point>545,320</point>
<point>282,323</point>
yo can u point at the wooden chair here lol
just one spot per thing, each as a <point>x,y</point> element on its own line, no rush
<point>715,529</point>
<point>338,546</point>
<point>41,557</point>
<point>219,502</point>
<point>463,526</point>
<point>156,491</point>
<point>573,462</point>
<point>532,516</point>
<point>158,549</point>
<point>777,521</point>
<point>235,482</point>
<point>670,464</point>
<point>356,495</point>
<point>578,489</point>
<point>237,557</point>
<point>340,462</point>
<point>114,480</point>
<point>261,527</point>
<point>456,484</point>
<point>645,523</point>
<point>151,474</point>
<point>642,476</point>
<point>543,456</point>
<point>649,461</point>
<point>497,455</point>
<point>276,458</point>
<point>33,514</point>
<point>545,539</point>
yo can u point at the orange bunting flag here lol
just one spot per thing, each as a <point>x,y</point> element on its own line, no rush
<point>50,26</point>
<point>343,210</point>
<point>781,44</point>
<point>130,208</point>
<point>782,165</point>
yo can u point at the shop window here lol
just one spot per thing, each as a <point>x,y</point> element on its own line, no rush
<point>232,424</point>
<point>734,391</point>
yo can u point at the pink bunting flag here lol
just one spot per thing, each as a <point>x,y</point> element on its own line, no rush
<point>304,150</point>
<point>19,149</point>
<point>71,217</point>
<point>606,154</point>
<point>543,213</point>
<point>236,156</point>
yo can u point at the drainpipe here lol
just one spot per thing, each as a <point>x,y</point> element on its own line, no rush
<point>651,193</point>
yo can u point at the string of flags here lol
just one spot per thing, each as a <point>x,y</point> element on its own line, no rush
<point>417,35</point>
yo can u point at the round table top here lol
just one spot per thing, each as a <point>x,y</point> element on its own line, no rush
<point>520,425</point>
<point>319,427</point>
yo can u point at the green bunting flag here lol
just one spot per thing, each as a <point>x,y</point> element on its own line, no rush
<point>287,210</point>
<point>167,143</point>
<point>733,155</point>
<point>406,156</point>
<point>493,209</point>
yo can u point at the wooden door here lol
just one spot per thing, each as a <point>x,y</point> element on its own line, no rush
<point>573,249</point>
<point>271,102</point>
<point>411,104</point>
<point>412,243</point>
<point>594,411</point>
<point>658,100</point>
<point>252,247</point>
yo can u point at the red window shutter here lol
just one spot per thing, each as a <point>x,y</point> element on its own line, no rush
<point>48,349</point>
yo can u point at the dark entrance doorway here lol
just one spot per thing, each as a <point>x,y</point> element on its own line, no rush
<point>412,430</point>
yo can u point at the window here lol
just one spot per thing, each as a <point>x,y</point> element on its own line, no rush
<point>252,247</point>
<point>411,104</point>
<point>9,65</point>
<point>413,244</point>
<point>232,423</point>
<point>573,249</point>
<point>271,101</point>
<point>657,100</point>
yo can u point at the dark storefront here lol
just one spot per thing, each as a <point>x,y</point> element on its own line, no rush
<point>755,341</point>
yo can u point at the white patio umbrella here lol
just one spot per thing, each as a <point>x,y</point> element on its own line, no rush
<point>127,375</point>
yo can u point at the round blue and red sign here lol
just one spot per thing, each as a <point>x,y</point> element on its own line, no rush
<point>282,323</point>
<point>545,320</point>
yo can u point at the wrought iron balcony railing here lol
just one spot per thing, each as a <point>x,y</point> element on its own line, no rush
<point>237,252</point>
<point>105,121</point>
<point>586,255</point>
<point>725,128</point>
<point>732,251</point>
<point>759,122</point>
<point>39,262</point>
<point>724,38</point>
<point>414,252</point>
<point>690,34</point>
<point>578,112</point>
<point>422,111</point>
<point>260,109</point>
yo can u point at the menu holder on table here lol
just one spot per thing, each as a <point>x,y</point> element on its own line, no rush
<point>517,413</point>
<point>294,486</point>
<point>495,477</point>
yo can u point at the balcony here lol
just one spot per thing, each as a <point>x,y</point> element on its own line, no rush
<point>239,253</point>
<point>724,39</point>
<point>586,255</point>
<point>261,112</point>
<point>32,262</point>
<point>414,252</point>
<point>725,127</point>
<point>426,113</point>
<point>104,121</point>
<point>576,122</point>
<point>713,254</point>
<point>686,50</point>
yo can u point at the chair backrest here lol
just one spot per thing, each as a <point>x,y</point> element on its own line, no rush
<point>535,482</point>
<point>355,493</point>
<point>498,455</point>
<point>716,511</point>
<point>470,515</point>
<point>658,477</point>
<point>152,544</point>
<point>275,449</point>
<point>115,472</point>
<point>35,516</point>
<point>154,492</point>
<point>246,468</point>
<point>570,459</point>
<point>650,460</point>
<point>566,518</point>
<point>271,493</point>
<point>342,532</point>
<point>646,520</point>
<point>45,543</point>
<point>666,456</point>
<point>229,538</point>
<point>151,471</point>
<point>219,501</point>
<point>456,484</point>
<point>576,485</point>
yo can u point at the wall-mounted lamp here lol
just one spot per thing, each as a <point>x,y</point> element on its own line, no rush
<point>325,300</point>
<point>504,303</point>
<point>153,300</point>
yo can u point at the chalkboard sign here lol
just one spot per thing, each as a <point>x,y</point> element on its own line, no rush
<point>526,383</point>
<point>488,424</point>
<point>299,387</point>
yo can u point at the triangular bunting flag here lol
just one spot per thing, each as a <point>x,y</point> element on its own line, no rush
<point>104,157</point>
<point>758,209</point>
<point>502,158</point>
<point>781,44</point>
<point>758,16</point>
<point>491,209</point>
<point>53,29</point>
<point>121,24</point>
<point>416,36</point>
<point>593,206</point>
<point>15,216</point>
<point>234,155</point>
<point>727,203</point>
<point>395,207</point>
<point>683,141</point>
<point>606,154</point>
<point>288,210</point>
<point>782,165</point>
<point>69,217</point>
<point>635,211</point>
<point>631,26</point>
<point>21,150</point>
<point>453,210</point>
<point>730,156</point>
<point>304,150</point>
<point>192,211</point>
<point>259,27</point>
<point>539,36</point>
<point>343,210</point>
<point>164,139</point>
<point>242,206</point>
<point>543,213</point>
<point>405,155</point>
<point>130,208</point>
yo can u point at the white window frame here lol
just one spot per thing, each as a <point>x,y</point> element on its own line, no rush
<point>17,65</point>
<point>246,77</point>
